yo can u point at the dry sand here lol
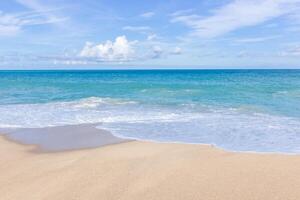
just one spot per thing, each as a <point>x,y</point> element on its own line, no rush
<point>144,170</point>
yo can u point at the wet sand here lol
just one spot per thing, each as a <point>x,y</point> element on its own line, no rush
<point>145,170</point>
<point>62,138</point>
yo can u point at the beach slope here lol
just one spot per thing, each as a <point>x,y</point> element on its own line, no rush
<point>144,170</point>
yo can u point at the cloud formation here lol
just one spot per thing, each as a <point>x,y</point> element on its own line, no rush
<point>119,50</point>
<point>137,28</point>
<point>37,6</point>
<point>292,52</point>
<point>176,51</point>
<point>12,23</point>
<point>256,39</point>
<point>9,24</point>
<point>152,37</point>
<point>236,15</point>
<point>147,14</point>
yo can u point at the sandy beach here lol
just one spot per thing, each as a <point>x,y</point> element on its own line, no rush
<point>145,170</point>
<point>150,100</point>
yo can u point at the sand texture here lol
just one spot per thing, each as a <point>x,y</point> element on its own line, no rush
<point>144,171</point>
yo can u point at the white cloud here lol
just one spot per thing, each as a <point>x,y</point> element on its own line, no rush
<point>235,15</point>
<point>13,23</point>
<point>72,62</point>
<point>255,39</point>
<point>119,50</point>
<point>176,51</point>
<point>159,52</point>
<point>157,49</point>
<point>147,14</point>
<point>36,6</point>
<point>295,51</point>
<point>33,4</point>
<point>155,52</point>
<point>137,28</point>
<point>9,24</point>
<point>182,12</point>
<point>9,30</point>
<point>152,37</point>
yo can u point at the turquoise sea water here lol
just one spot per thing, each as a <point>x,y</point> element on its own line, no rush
<point>242,110</point>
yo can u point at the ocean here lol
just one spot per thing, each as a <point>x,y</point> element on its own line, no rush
<point>237,110</point>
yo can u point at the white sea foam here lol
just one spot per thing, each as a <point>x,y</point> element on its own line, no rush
<point>232,129</point>
<point>89,110</point>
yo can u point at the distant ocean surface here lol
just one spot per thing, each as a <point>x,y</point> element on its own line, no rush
<point>240,110</point>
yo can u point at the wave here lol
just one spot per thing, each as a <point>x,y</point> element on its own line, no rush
<point>88,110</point>
<point>287,93</point>
<point>94,102</point>
<point>229,128</point>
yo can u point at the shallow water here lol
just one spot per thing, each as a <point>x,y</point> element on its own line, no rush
<point>242,110</point>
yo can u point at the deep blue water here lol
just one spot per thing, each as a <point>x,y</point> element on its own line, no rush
<point>244,110</point>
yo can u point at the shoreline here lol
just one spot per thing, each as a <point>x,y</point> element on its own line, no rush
<point>83,131</point>
<point>62,138</point>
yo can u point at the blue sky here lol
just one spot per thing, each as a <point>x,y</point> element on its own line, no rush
<point>149,34</point>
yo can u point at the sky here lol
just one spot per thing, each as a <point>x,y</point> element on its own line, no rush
<point>98,34</point>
